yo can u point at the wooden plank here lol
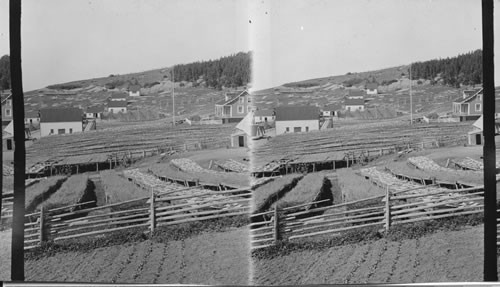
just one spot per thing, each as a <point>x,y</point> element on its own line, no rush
<point>73,229</point>
<point>100,231</point>
<point>261,228</point>
<point>203,194</point>
<point>199,207</point>
<point>334,230</point>
<point>261,213</point>
<point>293,215</point>
<point>430,206</point>
<point>70,206</point>
<point>429,194</point>
<point>319,225</point>
<point>59,221</point>
<point>305,204</point>
<point>173,206</point>
<point>259,223</point>
<point>448,210</point>
<point>343,218</point>
<point>437,217</point>
<point>100,207</point>
<point>199,213</point>
<point>261,234</point>
<point>418,203</point>
<point>83,221</point>
<point>201,218</point>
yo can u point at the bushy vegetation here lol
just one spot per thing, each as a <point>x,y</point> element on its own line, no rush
<point>77,189</point>
<point>265,195</point>
<point>465,69</point>
<point>119,189</point>
<point>5,72</point>
<point>68,86</point>
<point>41,191</point>
<point>313,187</point>
<point>230,71</point>
<point>353,81</point>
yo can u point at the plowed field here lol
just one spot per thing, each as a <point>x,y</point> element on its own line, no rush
<point>444,256</point>
<point>209,258</point>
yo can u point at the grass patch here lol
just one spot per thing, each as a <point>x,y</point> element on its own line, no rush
<point>355,187</point>
<point>267,194</point>
<point>313,187</point>
<point>136,235</point>
<point>119,189</point>
<point>41,191</point>
<point>77,189</point>
<point>366,235</point>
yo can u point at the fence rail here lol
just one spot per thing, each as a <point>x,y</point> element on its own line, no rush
<point>385,211</point>
<point>144,214</point>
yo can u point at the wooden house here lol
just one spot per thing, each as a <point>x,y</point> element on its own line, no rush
<point>293,119</point>
<point>234,107</point>
<point>371,89</point>
<point>470,105</point>
<point>263,116</point>
<point>60,121</point>
<point>354,104</point>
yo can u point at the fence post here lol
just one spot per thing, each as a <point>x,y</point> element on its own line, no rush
<point>276,224</point>
<point>42,225</point>
<point>387,209</point>
<point>152,213</point>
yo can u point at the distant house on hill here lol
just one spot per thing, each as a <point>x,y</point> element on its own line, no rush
<point>60,121</point>
<point>118,97</point>
<point>94,112</point>
<point>32,118</point>
<point>354,104</point>
<point>331,110</point>
<point>371,88</point>
<point>470,105</point>
<point>263,116</point>
<point>234,107</point>
<point>134,90</point>
<point>294,119</point>
<point>117,106</point>
<point>355,94</point>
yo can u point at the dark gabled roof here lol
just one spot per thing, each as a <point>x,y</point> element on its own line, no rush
<point>232,98</point>
<point>297,113</point>
<point>332,107</point>
<point>31,115</point>
<point>61,115</point>
<point>95,109</point>
<point>263,113</point>
<point>354,102</point>
<point>371,86</point>
<point>356,93</point>
<point>117,104</point>
<point>119,95</point>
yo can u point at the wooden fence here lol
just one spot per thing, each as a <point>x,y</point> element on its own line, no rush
<point>143,214</point>
<point>385,211</point>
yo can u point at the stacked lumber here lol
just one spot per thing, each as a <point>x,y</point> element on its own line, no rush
<point>472,164</point>
<point>188,165</point>
<point>425,163</point>
<point>232,165</point>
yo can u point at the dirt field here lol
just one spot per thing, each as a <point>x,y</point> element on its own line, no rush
<point>5,239</point>
<point>445,256</point>
<point>210,258</point>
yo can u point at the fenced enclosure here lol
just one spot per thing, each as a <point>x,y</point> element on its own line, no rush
<point>144,214</point>
<point>384,211</point>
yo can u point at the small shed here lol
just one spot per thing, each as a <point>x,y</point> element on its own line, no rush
<point>239,139</point>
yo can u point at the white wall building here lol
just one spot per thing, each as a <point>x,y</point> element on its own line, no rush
<point>294,119</point>
<point>60,121</point>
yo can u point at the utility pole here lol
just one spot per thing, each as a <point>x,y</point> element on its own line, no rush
<point>411,102</point>
<point>173,97</point>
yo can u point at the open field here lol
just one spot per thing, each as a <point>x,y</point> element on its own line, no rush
<point>439,257</point>
<point>208,258</point>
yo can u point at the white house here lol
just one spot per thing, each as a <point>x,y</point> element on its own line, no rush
<point>134,90</point>
<point>32,118</point>
<point>331,110</point>
<point>294,119</point>
<point>371,88</point>
<point>60,121</point>
<point>263,116</point>
<point>94,112</point>
<point>118,97</point>
<point>354,105</point>
<point>355,94</point>
<point>117,106</point>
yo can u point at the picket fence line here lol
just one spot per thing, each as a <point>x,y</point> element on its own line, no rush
<point>394,208</point>
<point>144,214</point>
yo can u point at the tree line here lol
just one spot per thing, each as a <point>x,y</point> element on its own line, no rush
<point>5,72</point>
<point>230,71</point>
<point>464,69</point>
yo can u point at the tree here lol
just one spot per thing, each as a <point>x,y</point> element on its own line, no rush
<point>5,72</point>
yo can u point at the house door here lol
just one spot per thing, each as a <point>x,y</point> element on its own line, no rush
<point>297,129</point>
<point>241,141</point>
<point>478,139</point>
<point>9,144</point>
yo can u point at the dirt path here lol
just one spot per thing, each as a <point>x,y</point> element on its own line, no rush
<point>445,256</point>
<point>210,258</point>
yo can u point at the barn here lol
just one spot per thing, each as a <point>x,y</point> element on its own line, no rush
<point>294,119</point>
<point>60,121</point>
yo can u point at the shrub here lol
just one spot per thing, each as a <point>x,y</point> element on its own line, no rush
<point>41,191</point>
<point>77,189</point>
<point>267,194</point>
<point>313,187</point>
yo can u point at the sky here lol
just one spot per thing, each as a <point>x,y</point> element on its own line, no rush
<point>292,40</point>
<point>318,38</point>
<point>73,40</point>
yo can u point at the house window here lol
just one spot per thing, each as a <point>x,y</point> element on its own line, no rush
<point>287,129</point>
<point>123,110</point>
<point>7,112</point>
<point>478,107</point>
<point>249,108</point>
<point>249,99</point>
<point>265,119</point>
<point>240,109</point>
<point>61,131</point>
<point>307,129</point>
<point>51,131</point>
<point>297,129</point>
<point>9,102</point>
<point>479,97</point>
<point>242,100</point>
<point>70,131</point>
